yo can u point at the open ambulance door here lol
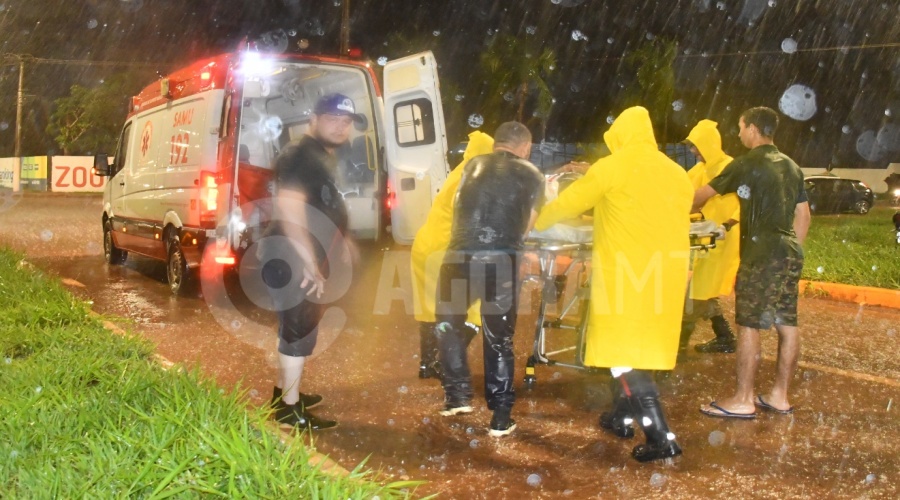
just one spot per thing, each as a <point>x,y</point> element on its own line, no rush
<point>416,141</point>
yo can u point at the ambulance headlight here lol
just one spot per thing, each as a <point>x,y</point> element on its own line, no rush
<point>254,64</point>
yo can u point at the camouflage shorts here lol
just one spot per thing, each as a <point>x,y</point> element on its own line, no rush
<point>766,293</point>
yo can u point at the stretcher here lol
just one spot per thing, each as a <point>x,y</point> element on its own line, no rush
<point>563,258</point>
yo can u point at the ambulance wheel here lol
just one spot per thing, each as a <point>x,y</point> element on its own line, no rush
<point>113,255</point>
<point>177,271</point>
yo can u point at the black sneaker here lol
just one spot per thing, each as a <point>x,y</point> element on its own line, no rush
<point>451,409</point>
<point>501,424</point>
<point>296,416</point>
<point>307,400</point>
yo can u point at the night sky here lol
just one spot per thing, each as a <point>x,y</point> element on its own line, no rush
<point>834,65</point>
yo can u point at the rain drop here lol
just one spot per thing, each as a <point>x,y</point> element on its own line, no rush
<point>425,420</point>
<point>382,60</point>
<point>8,360</point>
<point>771,3</point>
<point>46,235</point>
<point>292,32</point>
<point>402,389</point>
<point>678,105</point>
<point>38,389</point>
<point>887,112</point>
<point>874,268</point>
<point>476,120</point>
<point>821,64</point>
<point>610,40</point>
<point>556,375</point>
<point>4,125</point>
<point>473,443</point>
<point>720,5</point>
<point>657,480</point>
<point>845,129</point>
<point>531,30</point>
<point>577,35</point>
<point>798,102</point>
<point>436,32</point>
<point>716,438</point>
<point>870,478</point>
<point>533,480</point>
<point>92,24</point>
<point>235,325</point>
<point>555,2</point>
<point>575,88</point>
<point>254,393</point>
<point>610,119</point>
<point>508,97</point>
<point>820,269</point>
<point>390,421</point>
<point>789,45</point>
<point>13,454</point>
<point>459,97</point>
<point>812,129</point>
<point>470,430</point>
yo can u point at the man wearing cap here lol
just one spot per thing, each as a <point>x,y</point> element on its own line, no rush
<point>714,271</point>
<point>306,237</point>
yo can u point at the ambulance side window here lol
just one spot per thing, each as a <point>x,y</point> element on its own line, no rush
<point>122,153</point>
<point>415,122</point>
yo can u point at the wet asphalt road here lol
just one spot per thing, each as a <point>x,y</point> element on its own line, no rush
<point>841,442</point>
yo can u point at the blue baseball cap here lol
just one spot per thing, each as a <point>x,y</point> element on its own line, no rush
<point>337,104</point>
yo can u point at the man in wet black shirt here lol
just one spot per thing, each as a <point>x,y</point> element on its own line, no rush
<point>774,222</point>
<point>302,246</point>
<point>496,204</point>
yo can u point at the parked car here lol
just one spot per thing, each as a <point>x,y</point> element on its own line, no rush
<point>828,194</point>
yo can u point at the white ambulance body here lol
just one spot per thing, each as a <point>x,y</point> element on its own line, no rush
<point>192,177</point>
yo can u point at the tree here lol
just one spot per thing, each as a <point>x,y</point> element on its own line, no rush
<point>653,65</point>
<point>88,119</point>
<point>516,69</point>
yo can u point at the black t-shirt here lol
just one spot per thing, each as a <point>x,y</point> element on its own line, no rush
<point>494,201</point>
<point>306,166</point>
<point>769,186</point>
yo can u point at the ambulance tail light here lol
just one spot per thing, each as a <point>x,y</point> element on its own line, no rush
<point>209,194</point>
<point>390,199</point>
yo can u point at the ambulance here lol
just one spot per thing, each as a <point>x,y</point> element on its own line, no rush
<point>191,179</point>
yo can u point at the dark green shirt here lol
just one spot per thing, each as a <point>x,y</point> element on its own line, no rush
<point>769,186</point>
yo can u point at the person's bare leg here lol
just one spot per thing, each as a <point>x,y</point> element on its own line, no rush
<point>788,355</point>
<point>290,370</point>
<point>747,357</point>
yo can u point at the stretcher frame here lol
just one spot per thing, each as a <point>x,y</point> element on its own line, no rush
<point>547,253</point>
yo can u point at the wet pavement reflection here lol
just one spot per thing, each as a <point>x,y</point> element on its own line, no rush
<point>840,443</point>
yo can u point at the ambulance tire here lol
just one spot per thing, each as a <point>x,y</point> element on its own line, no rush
<point>177,271</point>
<point>113,255</point>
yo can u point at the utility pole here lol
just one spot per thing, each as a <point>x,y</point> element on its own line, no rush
<point>345,28</point>
<point>20,103</point>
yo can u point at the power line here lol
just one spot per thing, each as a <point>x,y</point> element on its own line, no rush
<point>76,62</point>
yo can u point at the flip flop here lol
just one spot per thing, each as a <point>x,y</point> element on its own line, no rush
<point>723,413</point>
<point>766,406</point>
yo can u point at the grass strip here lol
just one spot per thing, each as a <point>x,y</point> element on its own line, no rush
<point>85,413</point>
<point>853,249</point>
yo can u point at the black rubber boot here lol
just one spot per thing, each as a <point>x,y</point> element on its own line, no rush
<point>429,366</point>
<point>687,329</point>
<point>660,442</point>
<point>618,422</point>
<point>724,341</point>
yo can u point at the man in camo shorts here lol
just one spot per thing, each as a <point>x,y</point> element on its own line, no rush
<point>774,221</point>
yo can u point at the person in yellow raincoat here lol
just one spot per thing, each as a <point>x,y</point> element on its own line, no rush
<point>428,251</point>
<point>641,203</point>
<point>714,271</point>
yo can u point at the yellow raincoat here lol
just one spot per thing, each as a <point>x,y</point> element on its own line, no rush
<point>434,236</point>
<point>642,203</point>
<point>714,271</point>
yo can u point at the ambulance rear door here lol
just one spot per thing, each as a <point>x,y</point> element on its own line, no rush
<point>416,141</point>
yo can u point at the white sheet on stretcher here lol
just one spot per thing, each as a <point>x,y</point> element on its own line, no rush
<point>566,232</point>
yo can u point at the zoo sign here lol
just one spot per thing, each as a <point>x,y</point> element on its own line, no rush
<point>74,174</point>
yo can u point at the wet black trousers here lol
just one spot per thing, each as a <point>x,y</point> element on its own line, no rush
<point>298,318</point>
<point>464,278</point>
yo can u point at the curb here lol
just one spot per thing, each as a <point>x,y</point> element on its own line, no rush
<point>867,295</point>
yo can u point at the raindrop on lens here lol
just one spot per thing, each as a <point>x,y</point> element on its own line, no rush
<point>382,61</point>
<point>577,35</point>
<point>610,40</point>
<point>874,268</point>
<point>8,360</point>
<point>720,5</point>
<point>402,389</point>
<point>798,102</point>
<point>870,479</point>
<point>4,125</point>
<point>531,30</point>
<point>789,45</point>
<point>235,324</point>
<point>13,454</point>
<point>390,421</point>
<point>678,105</point>
<point>508,97</point>
<point>610,119</point>
<point>425,420</point>
<point>473,443</point>
<point>470,430</point>
<point>716,438</point>
<point>771,3</point>
<point>92,24</point>
<point>254,393</point>
<point>533,480</point>
<point>887,112</point>
<point>820,269</point>
<point>459,97</point>
<point>476,120</point>
<point>845,129</point>
<point>556,375</point>
<point>436,33</point>
<point>38,389</point>
<point>657,480</point>
<point>46,235</point>
<point>292,32</point>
